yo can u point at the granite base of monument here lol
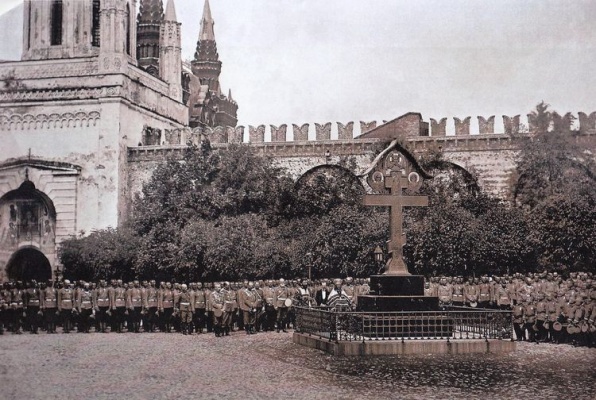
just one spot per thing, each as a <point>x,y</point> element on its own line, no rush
<point>374,303</point>
<point>397,293</point>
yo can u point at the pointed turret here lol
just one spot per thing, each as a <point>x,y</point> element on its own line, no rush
<point>207,23</point>
<point>170,50</point>
<point>207,68</point>
<point>230,95</point>
<point>206,65</point>
<point>170,14</point>
<point>148,26</point>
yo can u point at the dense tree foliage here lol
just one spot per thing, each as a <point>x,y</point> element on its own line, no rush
<point>556,187</point>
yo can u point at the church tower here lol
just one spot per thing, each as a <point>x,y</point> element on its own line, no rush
<point>206,65</point>
<point>211,107</point>
<point>170,51</point>
<point>149,23</point>
<point>70,109</point>
<point>62,29</point>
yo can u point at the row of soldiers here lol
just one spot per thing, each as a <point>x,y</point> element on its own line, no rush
<point>213,307</point>
<point>545,306</point>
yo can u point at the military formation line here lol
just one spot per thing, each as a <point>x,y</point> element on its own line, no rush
<point>545,307</point>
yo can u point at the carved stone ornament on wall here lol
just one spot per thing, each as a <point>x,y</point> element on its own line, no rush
<point>62,94</point>
<point>367,126</point>
<point>323,132</point>
<point>256,134</point>
<point>438,128</point>
<point>52,121</point>
<point>279,134</point>
<point>587,122</point>
<point>50,70</point>
<point>345,132</point>
<point>300,132</point>
<point>511,124</point>
<point>462,127</point>
<point>486,126</point>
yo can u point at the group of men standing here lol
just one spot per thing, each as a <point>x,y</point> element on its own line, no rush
<point>545,306</point>
<point>219,307</point>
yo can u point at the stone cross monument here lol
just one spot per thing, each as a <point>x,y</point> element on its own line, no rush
<point>394,178</point>
<point>391,175</point>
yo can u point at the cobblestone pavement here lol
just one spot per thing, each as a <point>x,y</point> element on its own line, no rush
<point>270,366</point>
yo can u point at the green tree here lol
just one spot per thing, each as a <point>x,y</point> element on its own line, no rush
<point>556,187</point>
<point>104,254</point>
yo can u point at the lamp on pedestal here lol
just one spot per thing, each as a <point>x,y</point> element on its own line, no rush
<point>379,257</point>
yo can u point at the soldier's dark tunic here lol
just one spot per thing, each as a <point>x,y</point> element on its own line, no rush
<point>150,302</point>
<point>49,303</point>
<point>33,306</point>
<point>66,307</point>
<point>134,302</point>
<point>200,305</point>
<point>102,307</point>
<point>85,307</point>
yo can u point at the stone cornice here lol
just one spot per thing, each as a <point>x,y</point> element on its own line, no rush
<point>18,122</point>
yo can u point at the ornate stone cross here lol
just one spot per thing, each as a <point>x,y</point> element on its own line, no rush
<point>392,174</point>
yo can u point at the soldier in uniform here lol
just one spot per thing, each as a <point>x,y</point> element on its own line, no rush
<point>33,306</point>
<point>118,305</point>
<point>134,303</point>
<point>530,319</point>
<point>484,293</point>
<point>445,293</point>
<point>518,321</point>
<point>259,306</point>
<point>471,292</point>
<point>84,305</point>
<point>4,299</point>
<point>280,295</point>
<point>304,297</point>
<point>229,308</point>
<point>247,303</point>
<point>541,318</point>
<point>150,302</point>
<point>217,302</point>
<point>17,302</point>
<point>101,303</point>
<point>185,304</point>
<point>502,298</point>
<point>166,307</point>
<point>66,305</point>
<point>552,316</point>
<point>208,307</point>
<point>200,305</point>
<point>270,312</point>
<point>49,306</point>
<point>458,292</point>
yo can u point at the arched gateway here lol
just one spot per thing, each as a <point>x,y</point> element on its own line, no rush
<point>27,233</point>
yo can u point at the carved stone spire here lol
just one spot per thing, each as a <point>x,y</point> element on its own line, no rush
<point>207,68</point>
<point>206,65</point>
<point>170,14</point>
<point>148,27</point>
<point>170,45</point>
<point>207,23</point>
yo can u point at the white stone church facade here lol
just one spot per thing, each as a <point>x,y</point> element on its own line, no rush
<point>68,112</point>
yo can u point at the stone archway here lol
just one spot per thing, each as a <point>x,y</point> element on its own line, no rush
<point>27,264</point>
<point>27,232</point>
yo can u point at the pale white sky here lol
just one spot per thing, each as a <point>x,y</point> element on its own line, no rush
<point>295,61</point>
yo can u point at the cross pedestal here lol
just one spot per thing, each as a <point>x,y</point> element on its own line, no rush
<point>396,201</point>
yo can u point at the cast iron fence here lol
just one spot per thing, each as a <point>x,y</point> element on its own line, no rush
<point>447,324</point>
